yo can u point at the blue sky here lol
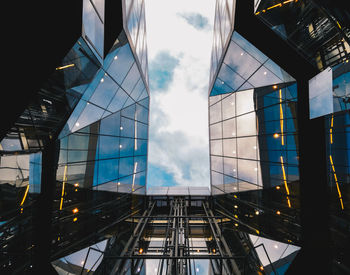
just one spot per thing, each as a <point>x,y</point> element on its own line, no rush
<point>179,38</point>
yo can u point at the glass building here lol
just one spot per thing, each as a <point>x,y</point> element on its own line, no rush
<point>73,149</point>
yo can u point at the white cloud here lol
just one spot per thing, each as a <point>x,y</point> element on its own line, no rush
<point>179,116</point>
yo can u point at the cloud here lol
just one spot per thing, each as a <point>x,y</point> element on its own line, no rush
<point>161,70</point>
<point>196,20</point>
<point>179,58</point>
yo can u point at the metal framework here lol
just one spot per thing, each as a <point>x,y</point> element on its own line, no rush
<point>178,232</point>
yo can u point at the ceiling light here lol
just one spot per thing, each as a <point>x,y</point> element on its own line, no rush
<point>116,57</point>
<point>278,187</point>
<point>102,79</point>
<point>265,73</point>
<point>120,146</point>
<point>257,212</point>
<point>278,212</point>
<point>276,135</point>
<point>77,124</point>
<point>75,210</point>
<point>274,86</point>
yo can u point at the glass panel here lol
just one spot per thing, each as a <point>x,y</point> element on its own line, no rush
<point>228,106</point>
<point>107,170</point>
<point>230,147</point>
<point>229,128</point>
<point>126,147</point>
<point>247,170</point>
<point>127,128</point>
<point>216,147</point>
<point>215,113</point>
<point>118,101</point>
<point>245,102</point>
<point>108,147</point>
<point>216,163</point>
<point>230,78</point>
<point>247,147</point>
<point>131,79</point>
<point>110,125</point>
<point>216,131</point>
<point>246,125</point>
<point>264,77</point>
<point>104,92</point>
<point>90,114</point>
<point>240,61</point>
<point>126,166</point>
<point>230,167</point>
<point>93,27</point>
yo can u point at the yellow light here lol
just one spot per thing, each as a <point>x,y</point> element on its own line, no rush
<point>281,117</point>
<point>257,212</point>
<point>257,231</point>
<point>236,216</point>
<point>274,87</point>
<point>336,182</point>
<point>278,187</point>
<point>75,219</point>
<point>63,185</point>
<point>21,210</point>
<point>65,67</point>
<point>276,135</point>
<point>25,195</point>
<point>141,250</point>
<point>284,176</point>
<point>331,130</point>
<point>236,224</point>
<point>76,184</point>
<point>235,196</point>
<point>338,25</point>
<point>275,6</point>
<point>214,250</point>
<point>261,268</point>
<point>235,206</point>
<point>278,212</point>
<point>75,210</point>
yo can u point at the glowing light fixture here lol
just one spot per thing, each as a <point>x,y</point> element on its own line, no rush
<point>65,67</point>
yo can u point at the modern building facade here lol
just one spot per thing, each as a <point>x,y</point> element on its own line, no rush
<point>73,150</point>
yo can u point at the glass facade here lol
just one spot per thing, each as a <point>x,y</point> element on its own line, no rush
<point>253,141</point>
<point>135,26</point>
<point>321,36</point>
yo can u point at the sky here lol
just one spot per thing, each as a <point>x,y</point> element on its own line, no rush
<point>179,39</point>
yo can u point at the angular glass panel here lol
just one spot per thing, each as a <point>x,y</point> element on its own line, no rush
<point>214,99</point>
<point>240,61</point>
<point>264,77</point>
<point>129,111</point>
<point>230,77</point>
<point>138,89</point>
<point>131,79</point>
<point>244,44</point>
<point>121,63</point>
<point>77,156</point>
<point>90,114</point>
<point>104,92</point>
<point>78,141</point>
<point>141,163</point>
<point>118,101</point>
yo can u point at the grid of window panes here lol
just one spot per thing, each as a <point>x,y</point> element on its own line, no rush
<point>135,26</point>
<point>104,142</point>
<point>253,139</point>
<point>223,24</point>
<point>252,117</point>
